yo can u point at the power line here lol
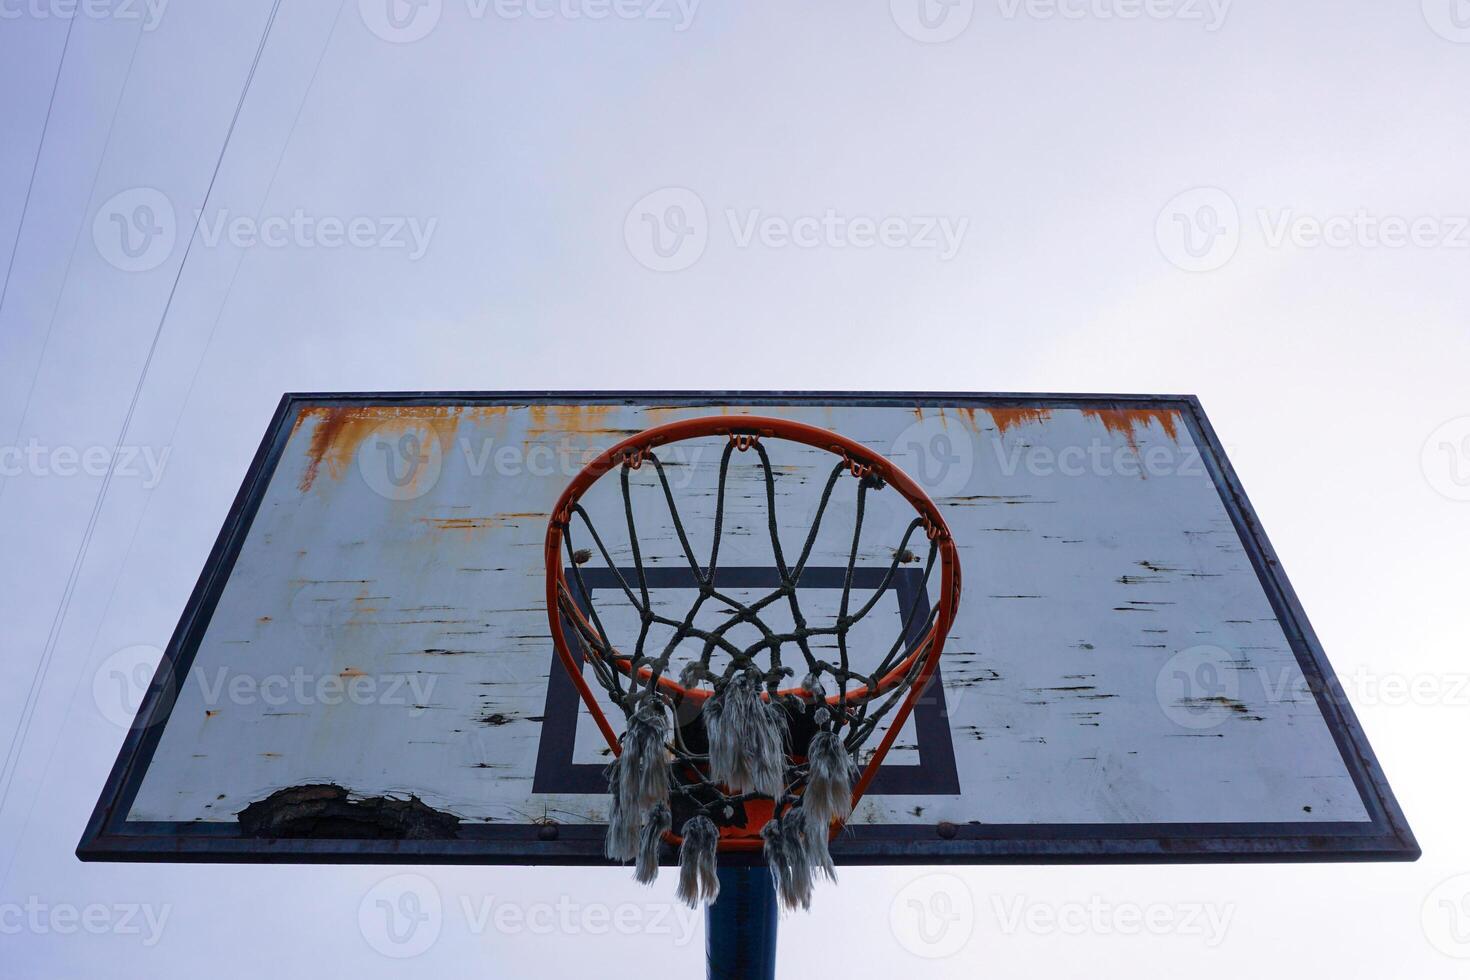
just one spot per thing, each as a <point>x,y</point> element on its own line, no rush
<point>75,244</point>
<point>132,539</point>
<point>35,165</point>
<point>17,742</point>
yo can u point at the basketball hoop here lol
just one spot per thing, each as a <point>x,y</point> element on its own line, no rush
<point>720,750</point>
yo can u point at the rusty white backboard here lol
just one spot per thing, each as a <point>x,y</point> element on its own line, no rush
<point>1129,677</point>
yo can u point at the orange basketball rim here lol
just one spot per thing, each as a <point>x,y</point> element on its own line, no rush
<point>744,431</point>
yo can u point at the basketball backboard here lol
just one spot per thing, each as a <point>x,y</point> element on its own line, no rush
<point>1129,676</point>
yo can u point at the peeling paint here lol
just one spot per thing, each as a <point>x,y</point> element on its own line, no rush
<point>573,420</point>
<point>326,810</point>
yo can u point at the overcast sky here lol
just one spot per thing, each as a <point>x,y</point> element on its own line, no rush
<point>1261,203</point>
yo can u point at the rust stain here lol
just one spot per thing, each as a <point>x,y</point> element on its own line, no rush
<point>1127,421</point>
<point>1010,418</point>
<point>210,714</point>
<point>352,672</point>
<point>486,413</point>
<point>481,523</point>
<point>459,523</point>
<point>338,433</point>
<point>586,420</point>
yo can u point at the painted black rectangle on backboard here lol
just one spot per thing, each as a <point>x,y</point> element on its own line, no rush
<point>933,774</point>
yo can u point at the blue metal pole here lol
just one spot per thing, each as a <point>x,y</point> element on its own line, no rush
<point>740,928</point>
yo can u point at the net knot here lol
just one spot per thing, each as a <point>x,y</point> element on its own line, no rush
<point>744,440</point>
<point>862,469</point>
